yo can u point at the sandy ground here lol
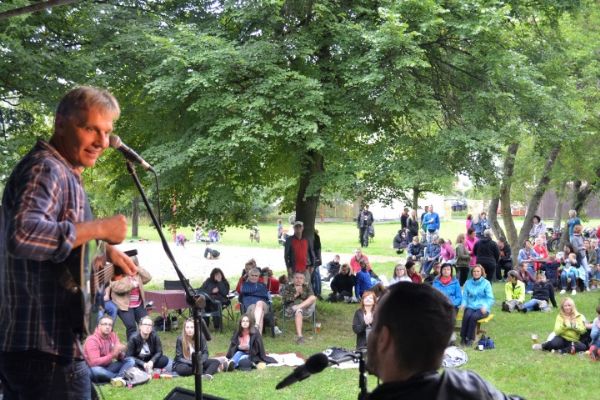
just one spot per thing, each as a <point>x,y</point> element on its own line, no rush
<point>195,267</point>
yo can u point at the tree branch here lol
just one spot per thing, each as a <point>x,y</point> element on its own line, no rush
<point>34,8</point>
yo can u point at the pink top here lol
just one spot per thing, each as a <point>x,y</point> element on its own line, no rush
<point>470,245</point>
<point>469,224</point>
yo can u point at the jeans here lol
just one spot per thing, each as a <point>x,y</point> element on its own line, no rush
<point>316,281</point>
<point>35,375</point>
<point>238,356</point>
<point>131,317</point>
<point>572,275</point>
<point>531,305</point>
<point>110,309</point>
<point>363,236</point>
<point>469,323</point>
<point>113,370</point>
<point>583,275</point>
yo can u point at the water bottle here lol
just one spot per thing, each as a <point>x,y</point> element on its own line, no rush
<point>572,347</point>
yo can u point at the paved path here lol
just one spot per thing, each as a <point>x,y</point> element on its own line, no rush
<point>195,267</point>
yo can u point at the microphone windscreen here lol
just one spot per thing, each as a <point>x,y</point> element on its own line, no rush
<point>115,141</point>
<point>316,363</point>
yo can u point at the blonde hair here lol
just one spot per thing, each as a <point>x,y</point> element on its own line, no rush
<point>562,311</point>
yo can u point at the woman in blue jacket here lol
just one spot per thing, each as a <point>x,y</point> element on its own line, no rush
<point>449,285</point>
<point>477,302</point>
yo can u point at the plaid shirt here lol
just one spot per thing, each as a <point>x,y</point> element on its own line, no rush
<point>42,201</point>
<point>289,295</point>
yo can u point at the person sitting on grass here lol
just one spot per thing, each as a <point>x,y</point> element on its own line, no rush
<point>400,275</point>
<point>595,336</point>
<point>184,349</point>
<point>568,328</point>
<point>364,281</point>
<point>477,302</point>
<point>514,291</point>
<point>105,354</point>
<point>411,270</point>
<point>342,285</point>
<point>568,274</point>
<point>246,348</point>
<point>299,302</point>
<point>543,294</point>
<point>449,285</point>
<point>415,249</point>
<point>363,318</point>
<point>431,256</point>
<point>434,273</point>
<point>526,275</point>
<point>145,347</point>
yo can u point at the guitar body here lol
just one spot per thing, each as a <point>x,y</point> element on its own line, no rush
<point>86,278</point>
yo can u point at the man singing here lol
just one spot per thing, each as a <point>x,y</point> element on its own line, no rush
<point>45,217</point>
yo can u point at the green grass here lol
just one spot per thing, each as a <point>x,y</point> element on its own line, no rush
<point>513,367</point>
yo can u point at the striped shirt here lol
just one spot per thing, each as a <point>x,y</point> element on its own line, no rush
<point>42,201</point>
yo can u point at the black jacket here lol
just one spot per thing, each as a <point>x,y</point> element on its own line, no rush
<point>257,349</point>
<point>413,226</point>
<point>221,295</point>
<point>544,291</point>
<point>343,283</point>
<point>360,328</point>
<point>451,384</point>
<point>135,344</point>
<point>180,359</point>
<point>486,251</point>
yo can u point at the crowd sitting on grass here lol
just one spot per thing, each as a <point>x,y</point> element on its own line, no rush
<point>526,289</point>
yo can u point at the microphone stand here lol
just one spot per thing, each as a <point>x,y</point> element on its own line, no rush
<point>362,377</point>
<point>196,301</point>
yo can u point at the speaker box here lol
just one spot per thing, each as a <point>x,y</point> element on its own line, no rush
<point>186,394</point>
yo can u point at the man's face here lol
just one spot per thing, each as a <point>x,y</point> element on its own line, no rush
<point>298,229</point>
<point>106,325</point>
<point>298,279</point>
<point>357,254</point>
<point>253,276</point>
<point>82,137</point>
<point>373,353</point>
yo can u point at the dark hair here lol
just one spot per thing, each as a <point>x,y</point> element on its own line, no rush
<point>570,247</point>
<point>240,330</point>
<point>502,239</point>
<point>409,264</point>
<point>216,271</point>
<point>536,216</point>
<point>430,317</point>
<point>469,231</point>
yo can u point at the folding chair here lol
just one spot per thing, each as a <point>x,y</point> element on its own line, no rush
<point>268,318</point>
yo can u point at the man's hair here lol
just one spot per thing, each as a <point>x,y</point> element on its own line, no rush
<point>105,316</point>
<point>420,320</point>
<point>84,98</point>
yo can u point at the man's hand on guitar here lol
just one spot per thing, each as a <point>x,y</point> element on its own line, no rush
<point>122,260</point>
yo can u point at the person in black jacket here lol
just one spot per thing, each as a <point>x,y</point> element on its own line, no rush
<point>363,318</point>
<point>505,262</point>
<point>217,289</point>
<point>246,344</point>
<point>487,253</point>
<point>145,347</point>
<point>364,221</point>
<point>543,294</point>
<point>411,328</point>
<point>184,348</point>
<point>342,284</point>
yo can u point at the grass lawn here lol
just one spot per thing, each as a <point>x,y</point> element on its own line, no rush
<point>512,366</point>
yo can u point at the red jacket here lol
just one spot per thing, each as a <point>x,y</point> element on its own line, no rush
<point>97,350</point>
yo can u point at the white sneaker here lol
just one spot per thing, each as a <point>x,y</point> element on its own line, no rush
<point>587,289</point>
<point>573,292</point>
<point>207,377</point>
<point>563,291</point>
<point>277,330</point>
<point>537,346</point>
<point>118,382</point>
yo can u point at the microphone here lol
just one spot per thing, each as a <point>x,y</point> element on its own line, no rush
<point>128,152</point>
<point>315,364</point>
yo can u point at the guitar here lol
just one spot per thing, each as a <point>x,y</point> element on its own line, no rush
<point>86,276</point>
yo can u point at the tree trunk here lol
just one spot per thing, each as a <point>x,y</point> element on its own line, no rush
<point>135,217</point>
<point>493,217</point>
<point>507,173</point>
<point>415,198</point>
<point>536,198</point>
<point>307,201</point>
<point>560,194</point>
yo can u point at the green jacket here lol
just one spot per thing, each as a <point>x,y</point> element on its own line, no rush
<point>515,293</point>
<point>570,332</point>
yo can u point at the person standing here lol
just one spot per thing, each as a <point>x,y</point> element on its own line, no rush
<point>412,226</point>
<point>404,219</point>
<point>298,253</point>
<point>364,221</point>
<point>432,222</point>
<point>45,219</point>
<point>487,254</point>
<point>315,276</point>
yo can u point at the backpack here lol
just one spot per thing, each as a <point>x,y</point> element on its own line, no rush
<point>486,342</point>
<point>339,355</point>
<point>135,376</point>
